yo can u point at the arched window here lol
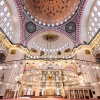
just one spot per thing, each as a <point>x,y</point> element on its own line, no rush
<point>56,66</point>
<point>57,91</point>
<point>57,78</point>
<point>5,19</point>
<point>50,66</point>
<point>31,78</point>
<point>44,66</point>
<point>42,92</point>
<point>94,22</point>
<point>98,57</point>
<point>43,77</point>
<point>2,56</point>
<point>28,90</point>
<point>68,70</point>
<point>32,70</point>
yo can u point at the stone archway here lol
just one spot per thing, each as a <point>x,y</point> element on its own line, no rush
<point>2,56</point>
<point>98,57</point>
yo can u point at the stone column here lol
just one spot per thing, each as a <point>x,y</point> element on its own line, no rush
<point>78,94</point>
<point>88,94</point>
<point>84,94</point>
<point>74,94</point>
<point>69,94</point>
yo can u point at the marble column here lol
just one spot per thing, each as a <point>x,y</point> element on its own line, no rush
<point>78,94</point>
<point>74,94</point>
<point>84,94</point>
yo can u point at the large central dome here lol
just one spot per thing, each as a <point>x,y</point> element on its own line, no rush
<point>50,12</point>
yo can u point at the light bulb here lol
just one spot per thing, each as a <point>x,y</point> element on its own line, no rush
<point>15,65</point>
<point>1,67</point>
<point>82,65</point>
<point>44,24</point>
<point>59,64</point>
<point>40,64</point>
<point>39,22</point>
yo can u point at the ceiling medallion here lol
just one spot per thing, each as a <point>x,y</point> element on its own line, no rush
<point>33,50</point>
<point>59,53</point>
<point>70,27</point>
<point>50,37</point>
<point>67,50</point>
<point>30,27</point>
<point>87,51</point>
<point>41,53</point>
<point>13,51</point>
<point>50,12</point>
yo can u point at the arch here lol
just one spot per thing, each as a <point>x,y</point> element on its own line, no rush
<point>79,20</point>
<point>56,30</point>
<point>6,22</point>
<point>21,21</point>
<point>28,68</point>
<point>94,20</point>
<point>44,66</point>
<point>70,66</point>
<point>2,56</point>
<point>85,21</point>
<point>97,57</point>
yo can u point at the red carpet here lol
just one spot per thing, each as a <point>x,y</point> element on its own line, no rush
<point>47,99</point>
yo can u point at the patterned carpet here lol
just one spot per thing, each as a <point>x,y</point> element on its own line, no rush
<point>47,99</point>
